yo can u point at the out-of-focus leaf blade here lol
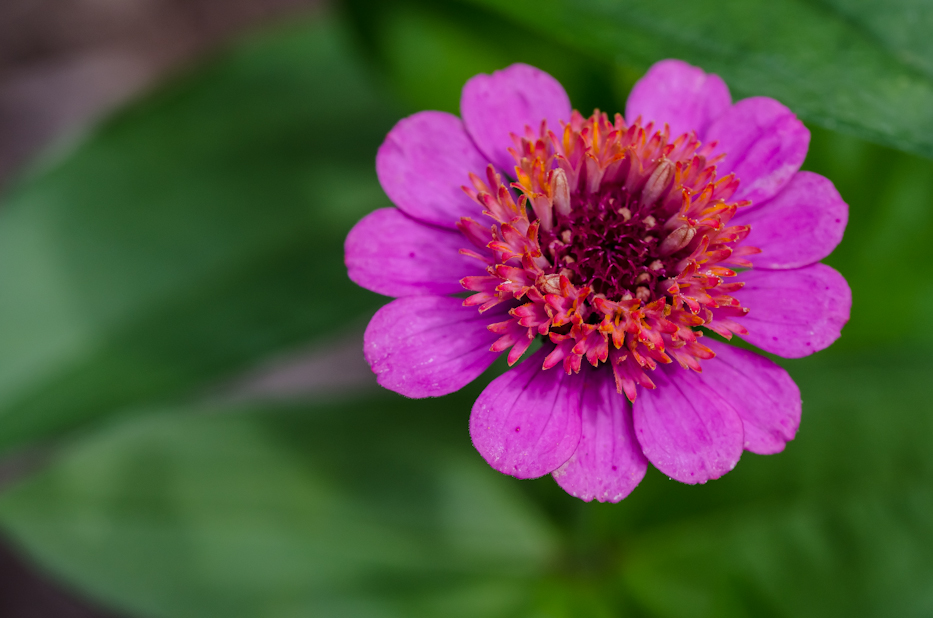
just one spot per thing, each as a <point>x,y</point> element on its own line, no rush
<point>193,233</point>
<point>885,253</point>
<point>837,525</point>
<point>849,65</point>
<point>428,50</point>
<point>360,510</point>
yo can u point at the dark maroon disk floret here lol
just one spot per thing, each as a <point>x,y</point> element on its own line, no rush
<point>609,242</point>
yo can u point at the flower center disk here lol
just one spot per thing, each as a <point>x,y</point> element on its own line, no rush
<point>609,242</point>
<point>617,250</point>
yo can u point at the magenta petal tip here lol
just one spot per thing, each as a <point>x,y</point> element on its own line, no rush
<point>527,421</point>
<point>687,429</point>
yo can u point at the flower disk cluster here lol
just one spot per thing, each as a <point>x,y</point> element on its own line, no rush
<point>615,243</point>
<point>619,247</point>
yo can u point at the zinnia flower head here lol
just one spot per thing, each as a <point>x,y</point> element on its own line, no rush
<point>616,242</point>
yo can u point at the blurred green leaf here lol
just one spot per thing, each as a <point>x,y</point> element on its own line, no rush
<point>382,508</point>
<point>195,232</point>
<point>838,525</point>
<point>861,67</point>
<point>885,252</point>
<point>428,50</point>
<point>378,508</point>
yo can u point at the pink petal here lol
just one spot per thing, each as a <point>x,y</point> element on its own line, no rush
<point>392,254</point>
<point>608,462</point>
<point>685,428</point>
<point>527,421</point>
<point>506,102</point>
<point>422,165</point>
<point>763,394</point>
<point>794,313</point>
<point>764,143</point>
<point>799,226</point>
<point>681,95</point>
<point>428,346</point>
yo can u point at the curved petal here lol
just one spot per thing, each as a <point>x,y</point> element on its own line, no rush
<point>799,226</point>
<point>527,421</point>
<point>685,428</point>
<point>392,254</point>
<point>683,96</point>
<point>493,106</point>
<point>422,165</point>
<point>608,463</point>
<point>428,346</point>
<point>764,395</point>
<point>764,143</point>
<point>794,313</point>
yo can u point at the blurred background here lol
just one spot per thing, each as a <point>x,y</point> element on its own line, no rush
<point>63,67</point>
<point>188,427</point>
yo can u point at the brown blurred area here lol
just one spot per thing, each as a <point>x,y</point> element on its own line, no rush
<point>64,64</point>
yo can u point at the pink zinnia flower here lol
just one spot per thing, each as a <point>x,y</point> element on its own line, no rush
<point>614,241</point>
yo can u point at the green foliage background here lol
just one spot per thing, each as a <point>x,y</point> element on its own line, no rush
<point>199,232</point>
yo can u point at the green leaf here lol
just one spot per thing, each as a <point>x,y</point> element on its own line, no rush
<point>381,508</point>
<point>859,67</point>
<point>197,231</point>
<point>884,254</point>
<point>428,50</point>
<point>837,525</point>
